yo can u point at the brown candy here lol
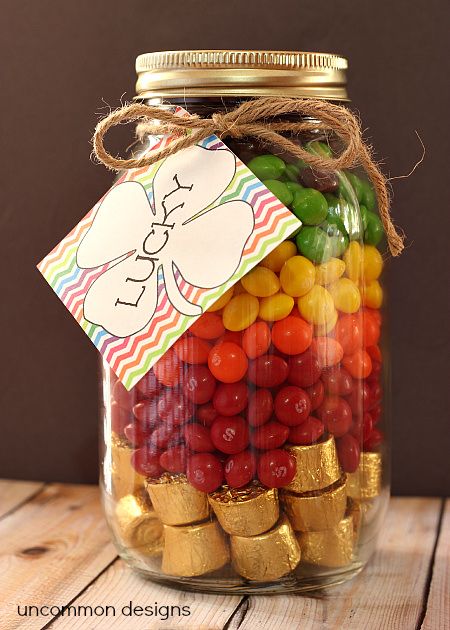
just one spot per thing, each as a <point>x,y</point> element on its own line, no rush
<point>330,547</point>
<point>125,480</point>
<point>317,466</point>
<point>365,482</point>
<point>177,502</point>
<point>320,180</point>
<point>316,510</point>
<point>267,556</point>
<point>137,525</point>
<point>194,549</point>
<point>245,511</point>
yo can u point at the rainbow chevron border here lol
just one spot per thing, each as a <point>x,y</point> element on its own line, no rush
<point>131,357</point>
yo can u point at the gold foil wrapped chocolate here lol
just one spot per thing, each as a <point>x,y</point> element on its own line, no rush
<point>175,501</point>
<point>194,549</point>
<point>318,509</point>
<point>317,466</point>
<point>365,482</point>
<point>125,480</point>
<point>267,556</point>
<point>330,547</point>
<point>245,511</point>
<point>137,525</point>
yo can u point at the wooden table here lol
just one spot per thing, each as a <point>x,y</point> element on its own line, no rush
<point>56,551</point>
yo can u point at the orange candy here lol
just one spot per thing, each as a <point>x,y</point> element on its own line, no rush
<point>256,340</point>
<point>371,329</point>
<point>227,362</point>
<point>292,335</point>
<point>208,326</point>
<point>359,364</point>
<point>192,350</point>
<point>328,351</point>
<point>349,332</point>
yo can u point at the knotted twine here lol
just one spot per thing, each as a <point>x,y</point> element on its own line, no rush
<point>257,118</point>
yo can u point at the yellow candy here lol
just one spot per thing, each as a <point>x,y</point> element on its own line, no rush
<point>238,289</point>
<point>317,306</point>
<point>353,261</point>
<point>346,295</point>
<point>261,282</point>
<point>276,307</point>
<point>329,272</point>
<point>224,299</point>
<point>323,329</point>
<point>373,263</point>
<point>277,257</point>
<point>240,312</point>
<point>297,276</point>
<point>372,294</point>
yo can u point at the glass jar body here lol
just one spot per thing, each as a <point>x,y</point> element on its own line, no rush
<point>253,456</point>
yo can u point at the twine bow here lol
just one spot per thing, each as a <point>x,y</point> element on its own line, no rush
<point>258,118</point>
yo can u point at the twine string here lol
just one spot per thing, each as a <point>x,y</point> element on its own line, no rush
<point>258,118</point>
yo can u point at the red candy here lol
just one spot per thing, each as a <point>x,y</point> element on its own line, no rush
<point>146,462</point>
<point>337,381</point>
<point>199,384</point>
<point>137,434</point>
<point>206,414</point>
<point>120,417</point>
<point>362,427</point>
<point>276,468</point>
<point>192,350</point>
<point>271,435</point>
<point>348,452</point>
<point>146,412</point>
<point>229,434</point>
<point>316,394</point>
<point>208,326</point>
<point>260,407</point>
<point>268,371</point>
<point>173,408</point>
<point>292,405</point>
<point>291,335</point>
<point>304,369</point>
<point>198,438</point>
<point>360,398</point>
<point>230,398</point>
<point>307,432</point>
<point>168,368</point>
<point>228,362</point>
<point>161,437</point>
<point>124,398</point>
<point>174,459</point>
<point>149,385</point>
<point>336,415</point>
<point>374,440</point>
<point>204,472</point>
<point>240,469</point>
<point>256,340</point>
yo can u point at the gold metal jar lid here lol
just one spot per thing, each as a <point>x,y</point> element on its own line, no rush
<point>209,73</point>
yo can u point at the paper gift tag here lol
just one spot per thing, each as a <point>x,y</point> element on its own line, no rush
<point>163,244</point>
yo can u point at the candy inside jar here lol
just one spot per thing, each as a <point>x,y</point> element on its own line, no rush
<point>256,444</point>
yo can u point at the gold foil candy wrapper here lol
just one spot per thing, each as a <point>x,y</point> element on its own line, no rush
<point>365,482</point>
<point>316,510</point>
<point>317,466</point>
<point>175,501</point>
<point>330,547</point>
<point>194,549</point>
<point>125,480</point>
<point>245,511</point>
<point>137,525</point>
<point>267,556</point>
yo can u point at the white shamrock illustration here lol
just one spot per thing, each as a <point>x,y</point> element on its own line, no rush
<point>179,231</point>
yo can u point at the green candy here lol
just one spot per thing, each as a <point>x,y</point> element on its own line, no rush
<point>280,190</point>
<point>267,167</point>
<point>314,244</point>
<point>291,173</point>
<point>319,148</point>
<point>357,185</point>
<point>363,212</point>
<point>368,198</point>
<point>294,187</point>
<point>373,232</point>
<point>335,229</point>
<point>310,206</point>
<point>333,203</point>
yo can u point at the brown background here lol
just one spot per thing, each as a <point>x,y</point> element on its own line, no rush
<point>62,61</point>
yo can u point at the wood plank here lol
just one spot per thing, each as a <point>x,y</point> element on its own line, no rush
<point>387,595</point>
<point>14,493</point>
<point>437,616</point>
<point>51,548</point>
<point>119,584</point>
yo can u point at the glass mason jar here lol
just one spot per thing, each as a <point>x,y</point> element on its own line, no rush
<point>253,456</point>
